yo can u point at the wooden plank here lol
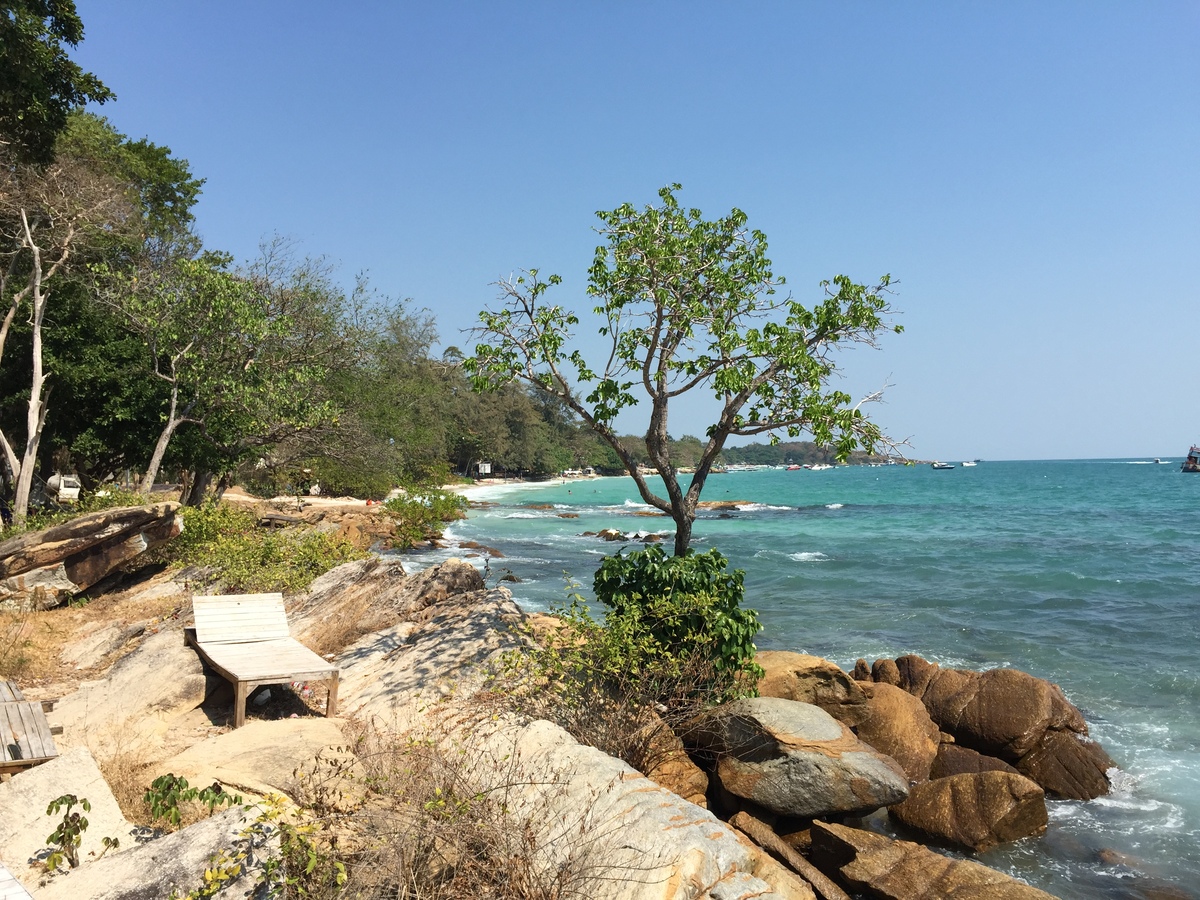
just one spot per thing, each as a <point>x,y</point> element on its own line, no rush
<point>239,618</point>
<point>10,888</point>
<point>10,692</point>
<point>26,736</point>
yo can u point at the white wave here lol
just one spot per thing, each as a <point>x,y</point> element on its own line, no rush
<point>525,515</point>
<point>834,505</point>
<point>809,556</point>
<point>756,507</point>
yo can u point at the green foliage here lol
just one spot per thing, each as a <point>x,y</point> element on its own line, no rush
<point>227,544</point>
<point>68,835</point>
<point>687,304</point>
<point>662,607</point>
<point>421,511</point>
<point>168,791</point>
<point>39,85</point>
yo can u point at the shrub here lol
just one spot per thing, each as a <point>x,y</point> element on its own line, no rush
<point>420,512</point>
<point>226,543</point>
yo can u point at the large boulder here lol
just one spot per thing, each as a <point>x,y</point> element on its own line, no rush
<point>811,679</point>
<point>879,867</point>
<point>953,759</point>
<point>977,811</point>
<point>25,825</point>
<point>173,862</point>
<point>42,568</point>
<point>795,759</point>
<point>898,725</point>
<point>1010,715</point>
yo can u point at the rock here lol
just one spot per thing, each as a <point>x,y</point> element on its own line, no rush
<point>98,642</point>
<point>900,870</point>
<point>862,672</point>
<point>977,811</point>
<point>176,861</point>
<point>884,671</point>
<point>139,699</point>
<point>43,568</point>
<point>641,841</point>
<point>258,758</point>
<point>668,765</point>
<point>1011,715</point>
<point>611,534</point>
<point>898,726</point>
<point>25,826</point>
<point>1068,765</point>
<point>955,760</point>
<point>810,679</point>
<point>795,759</point>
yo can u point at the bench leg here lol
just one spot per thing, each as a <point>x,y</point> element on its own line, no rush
<point>331,704</point>
<point>240,692</point>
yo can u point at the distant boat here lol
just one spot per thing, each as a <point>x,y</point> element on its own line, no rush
<point>1192,463</point>
<point>820,467</point>
<point>794,468</point>
<point>941,465</point>
<point>969,463</point>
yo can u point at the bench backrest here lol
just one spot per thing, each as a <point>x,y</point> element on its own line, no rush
<point>239,618</point>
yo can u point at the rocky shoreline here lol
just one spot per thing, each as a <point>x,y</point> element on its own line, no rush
<point>764,797</point>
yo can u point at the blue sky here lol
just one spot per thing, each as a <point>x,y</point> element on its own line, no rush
<point>1027,171</point>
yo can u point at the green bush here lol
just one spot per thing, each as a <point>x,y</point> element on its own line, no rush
<point>665,608</point>
<point>420,512</point>
<point>228,545</point>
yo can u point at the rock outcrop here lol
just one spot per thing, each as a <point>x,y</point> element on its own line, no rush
<point>898,725</point>
<point>41,569</point>
<point>1011,715</point>
<point>955,760</point>
<point>795,759</point>
<point>879,867</point>
<point>977,811</point>
<point>811,679</point>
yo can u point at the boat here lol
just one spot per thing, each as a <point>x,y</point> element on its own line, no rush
<point>1192,463</point>
<point>941,465</point>
<point>969,463</point>
<point>794,468</point>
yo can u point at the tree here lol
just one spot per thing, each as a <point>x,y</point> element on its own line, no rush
<point>45,215</point>
<point>688,304</point>
<point>39,85</point>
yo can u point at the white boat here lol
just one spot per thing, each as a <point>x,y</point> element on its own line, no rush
<point>969,463</point>
<point>940,465</point>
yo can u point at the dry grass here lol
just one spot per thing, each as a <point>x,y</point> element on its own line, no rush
<point>421,818</point>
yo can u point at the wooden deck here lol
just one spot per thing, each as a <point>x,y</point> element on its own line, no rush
<point>26,738</point>
<point>245,638</point>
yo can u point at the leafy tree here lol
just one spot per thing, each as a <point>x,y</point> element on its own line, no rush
<point>39,85</point>
<point>688,304</point>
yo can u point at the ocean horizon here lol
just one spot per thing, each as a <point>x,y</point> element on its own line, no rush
<point>1082,572</point>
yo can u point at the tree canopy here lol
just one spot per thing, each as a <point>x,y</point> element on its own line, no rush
<point>688,304</point>
<point>39,84</point>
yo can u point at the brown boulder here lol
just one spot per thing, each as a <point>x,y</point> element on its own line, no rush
<point>1068,765</point>
<point>884,671</point>
<point>899,726</point>
<point>977,811</point>
<point>862,672</point>
<point>953,759</point>
<point>916,673</point>
<point>811,679</point>
<point>900,870</point>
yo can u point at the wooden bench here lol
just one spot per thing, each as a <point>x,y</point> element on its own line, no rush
<point>245,638</point>
<point>26,738</point>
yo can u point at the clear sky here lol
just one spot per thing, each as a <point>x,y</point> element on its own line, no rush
<point>1028,171</point>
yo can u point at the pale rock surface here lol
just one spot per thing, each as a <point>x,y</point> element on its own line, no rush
<point>639,841</point>
<point>24,825</point>
<point>140,698</point>
<point>881,868</point>
<point>811,679</point>
<point>795,759</point>
<point>151,870</point>
<point>258,758</point>
<point>898,725</point>
<point>977,811</point>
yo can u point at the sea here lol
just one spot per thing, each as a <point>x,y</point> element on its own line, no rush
<point>1082,572</point>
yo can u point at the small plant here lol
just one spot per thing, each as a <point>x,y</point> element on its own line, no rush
<point>167,792</point>
<point>66,838</point>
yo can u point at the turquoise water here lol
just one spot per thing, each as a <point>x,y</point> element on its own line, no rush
<point>1086,573</point>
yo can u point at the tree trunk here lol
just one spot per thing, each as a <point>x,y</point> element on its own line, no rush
<point>683,534</point>
<point>35,418</point>
<point>198,488</point>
